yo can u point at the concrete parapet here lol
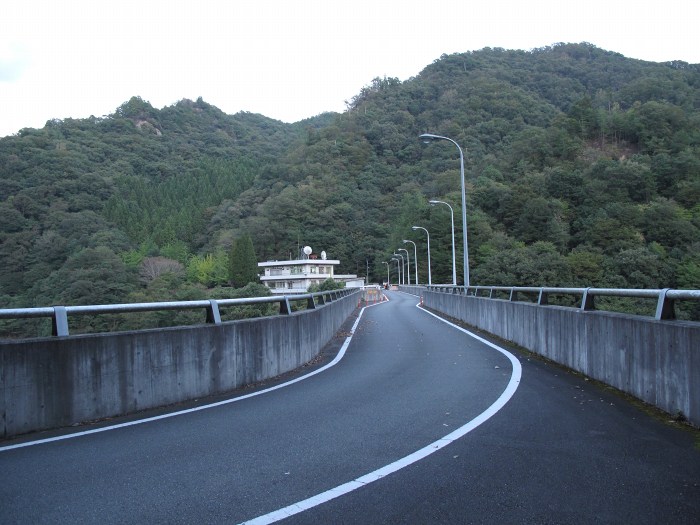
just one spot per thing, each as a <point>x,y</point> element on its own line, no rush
<point>655,361</point>
<point>53,382</point>
<point>413,289</point>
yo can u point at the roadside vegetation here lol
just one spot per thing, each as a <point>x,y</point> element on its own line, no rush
<point>582,169</point>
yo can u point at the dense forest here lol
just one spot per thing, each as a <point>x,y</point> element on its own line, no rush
<point>582,169</point>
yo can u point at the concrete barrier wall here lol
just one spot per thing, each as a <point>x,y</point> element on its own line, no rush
<point>655,361</point>
<point>56,382</point>
<point>413,289</point>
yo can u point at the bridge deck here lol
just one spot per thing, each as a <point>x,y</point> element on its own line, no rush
<point>560,450</point>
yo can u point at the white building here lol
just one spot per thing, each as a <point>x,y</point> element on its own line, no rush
<point>295,276</point>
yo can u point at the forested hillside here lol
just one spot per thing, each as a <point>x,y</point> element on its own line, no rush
<point>582,169</point>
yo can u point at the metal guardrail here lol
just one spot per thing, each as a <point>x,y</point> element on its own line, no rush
<point>59,314</point>
<point>664,297</point>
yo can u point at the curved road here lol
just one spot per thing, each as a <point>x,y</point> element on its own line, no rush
<point>416,421</point>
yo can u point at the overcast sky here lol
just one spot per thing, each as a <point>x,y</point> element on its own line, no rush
<point>288,60</point>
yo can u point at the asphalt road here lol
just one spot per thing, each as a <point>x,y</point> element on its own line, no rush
<point>418,422</point>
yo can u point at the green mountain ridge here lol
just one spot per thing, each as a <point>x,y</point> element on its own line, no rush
<point>582,169</point>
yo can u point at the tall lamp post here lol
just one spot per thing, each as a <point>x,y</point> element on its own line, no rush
<point>430,277</point>
<point>408,265</point>
<point>415,258</point>
<point>452,217</point>
<point>388,282</point>
<point>428,137</point>
<point>403,274</point>
<point>398,270</point>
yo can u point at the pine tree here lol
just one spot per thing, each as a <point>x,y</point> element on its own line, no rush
<point>243,265</point>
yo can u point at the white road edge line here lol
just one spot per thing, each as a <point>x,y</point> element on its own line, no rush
<point>382,472</point>
<point>335,361</point>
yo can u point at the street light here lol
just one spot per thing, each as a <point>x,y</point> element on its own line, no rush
<point>428,137</point>
<point>398,271</point>
<point>403,274</point>
<point>388,281</point>
<point>415,258</point>
<point>452,216</point>
<point>414,228</point>
<point>408,264</point>
<point>399,279</point>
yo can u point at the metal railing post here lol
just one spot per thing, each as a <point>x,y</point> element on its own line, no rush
<point>587,302</point>
<point>59,321</point>
<point>664,306</point>
<point>213,314</point>
<point>285,307</point>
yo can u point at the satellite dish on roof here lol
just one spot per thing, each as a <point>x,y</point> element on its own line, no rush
<point>323,255</point>
<point>307,250</point>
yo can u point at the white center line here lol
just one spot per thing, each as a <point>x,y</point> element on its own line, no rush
<point>382,472</point>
